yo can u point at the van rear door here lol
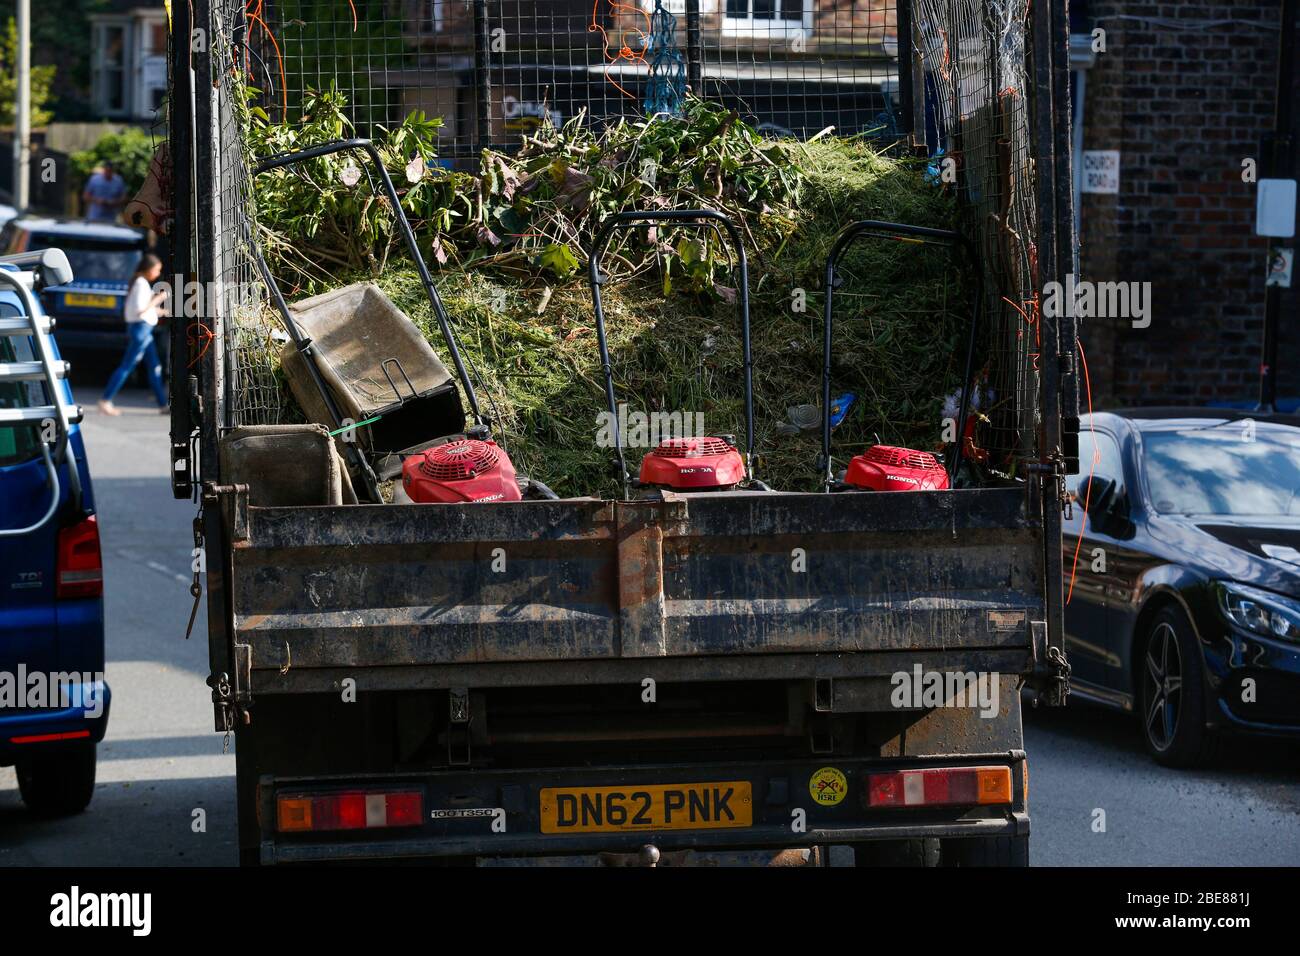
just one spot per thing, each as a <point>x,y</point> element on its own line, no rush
<point>28,563</point>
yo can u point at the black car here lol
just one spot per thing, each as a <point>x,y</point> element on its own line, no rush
<point>1184,593</point>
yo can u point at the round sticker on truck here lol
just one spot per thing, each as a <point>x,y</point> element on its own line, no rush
<point>828,786</point>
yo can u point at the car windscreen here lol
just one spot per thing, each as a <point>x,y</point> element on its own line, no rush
<point>91,259</point>
<point>1236,468</point>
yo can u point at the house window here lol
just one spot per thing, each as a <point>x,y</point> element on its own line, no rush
<point>110,68</point>
<point>153,68</point>
<point>776,17</point>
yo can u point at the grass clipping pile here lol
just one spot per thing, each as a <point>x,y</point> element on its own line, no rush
<point>511,241</point>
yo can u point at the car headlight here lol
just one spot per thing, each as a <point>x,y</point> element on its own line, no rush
<point>1259,611</point>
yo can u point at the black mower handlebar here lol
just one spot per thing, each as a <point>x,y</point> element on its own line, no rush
<point>403,224</point>
<point>695,217</point>
<point>898,231</point>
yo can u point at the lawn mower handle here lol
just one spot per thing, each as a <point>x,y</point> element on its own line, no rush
<point>439,311</point>
<point>697,217</point>
<point>894,230</point>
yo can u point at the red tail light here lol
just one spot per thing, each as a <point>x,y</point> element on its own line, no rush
<point>298,812</point>
<point>81,569</point>
<point>940,787</point>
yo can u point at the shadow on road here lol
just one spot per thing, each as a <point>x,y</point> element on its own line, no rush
<point>1253,757</point>
<point>146,822</point>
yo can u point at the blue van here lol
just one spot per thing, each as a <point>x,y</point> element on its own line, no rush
<point>54,699</point>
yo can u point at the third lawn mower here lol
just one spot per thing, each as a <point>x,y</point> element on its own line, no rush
<point>887,467</point>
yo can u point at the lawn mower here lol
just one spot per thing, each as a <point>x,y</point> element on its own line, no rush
<point>414,426</point>
<point>683,464</point>
<point>887,467</point>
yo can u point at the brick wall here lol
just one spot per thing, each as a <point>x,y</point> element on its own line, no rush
<point>1184,107</point>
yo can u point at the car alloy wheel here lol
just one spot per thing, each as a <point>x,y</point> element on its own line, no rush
<point>1163,679</point>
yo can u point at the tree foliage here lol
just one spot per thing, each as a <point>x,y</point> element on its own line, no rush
<point>130,152</point>
<point>42,81</point>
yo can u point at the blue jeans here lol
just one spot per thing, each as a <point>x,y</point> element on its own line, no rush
<point>139,345</point>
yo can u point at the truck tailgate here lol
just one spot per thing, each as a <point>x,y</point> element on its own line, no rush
<point>589,580</point>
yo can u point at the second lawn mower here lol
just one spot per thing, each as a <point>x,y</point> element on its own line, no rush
<point>687,464</point>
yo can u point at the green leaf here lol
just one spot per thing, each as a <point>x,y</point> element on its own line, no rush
<point>559,259</point>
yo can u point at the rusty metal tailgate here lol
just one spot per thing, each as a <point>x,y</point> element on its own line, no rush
<point>586,580</point>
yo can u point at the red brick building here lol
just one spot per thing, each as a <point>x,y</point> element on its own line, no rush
<point>1184,92</point>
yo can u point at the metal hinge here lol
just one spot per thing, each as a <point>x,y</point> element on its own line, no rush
<point>1051,671</point>
<point>231,697</point>
<point>236,500</point>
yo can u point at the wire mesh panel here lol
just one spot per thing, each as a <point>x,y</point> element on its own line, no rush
<point>495,69</point>
<point>250,334</point>
<point>974,57</point>
<point>796,67</point>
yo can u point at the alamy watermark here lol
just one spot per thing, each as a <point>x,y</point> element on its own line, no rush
<point>133,911</point>
<point>646,430</point>
<point>198,300</point>
<point>29,690</point>
<point>1099,300</point>
<point>922,688</point>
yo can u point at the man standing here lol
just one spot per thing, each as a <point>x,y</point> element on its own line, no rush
<point>105,194</point>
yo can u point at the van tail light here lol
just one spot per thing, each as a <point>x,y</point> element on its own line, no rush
<point>81,568</point>
<point>939,787</point>
<point>372,810</point>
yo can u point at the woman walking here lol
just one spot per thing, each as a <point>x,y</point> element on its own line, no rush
<point>141,318</point>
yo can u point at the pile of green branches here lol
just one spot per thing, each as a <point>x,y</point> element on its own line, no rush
<point>511,244</point>
<point>530,213</point>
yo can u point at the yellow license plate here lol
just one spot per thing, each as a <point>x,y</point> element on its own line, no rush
<point>679,806</point>
<point>90,301</point>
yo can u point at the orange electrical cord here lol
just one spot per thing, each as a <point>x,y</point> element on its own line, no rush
<point>255,16</point>
<point>625,52</point>
<point>1096,456</point>
<point>197,332</point>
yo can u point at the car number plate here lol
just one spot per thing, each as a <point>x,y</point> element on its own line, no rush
<point>674,806</point>
<point>90,301</point>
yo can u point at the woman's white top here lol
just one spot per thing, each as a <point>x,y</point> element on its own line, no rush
<point>139,302</point>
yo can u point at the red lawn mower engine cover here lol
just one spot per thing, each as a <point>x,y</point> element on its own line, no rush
<point>887,468</point>
<point>460,471</point>
<point>693,464</point>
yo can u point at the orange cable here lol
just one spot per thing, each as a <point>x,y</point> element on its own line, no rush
<point>1096,455</point>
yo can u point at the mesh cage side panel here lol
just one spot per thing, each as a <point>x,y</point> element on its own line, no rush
<point>496,69</point>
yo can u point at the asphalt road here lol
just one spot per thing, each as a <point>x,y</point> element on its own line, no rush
<point>161,762</point>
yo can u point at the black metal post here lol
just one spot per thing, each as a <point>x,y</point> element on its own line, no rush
<point>1067,248</point>
<point>1279,160</point>
<point>482,74</point>
<point>907,121</point>
<point>210,366</point>
<point>1043,48</point>
<point>914,64</point>
<point>180,149</point>
<point>694,49</point>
